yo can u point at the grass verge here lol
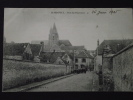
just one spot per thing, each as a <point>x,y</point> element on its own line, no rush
<point>17,73</point>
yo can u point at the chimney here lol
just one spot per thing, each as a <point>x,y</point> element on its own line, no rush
<point>97,45</point>
<point>42,43</point>
<point>97,42</point>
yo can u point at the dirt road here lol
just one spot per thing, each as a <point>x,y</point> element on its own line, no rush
<point>79,82</point>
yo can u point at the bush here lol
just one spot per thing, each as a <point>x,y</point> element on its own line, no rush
<point>108,82</point>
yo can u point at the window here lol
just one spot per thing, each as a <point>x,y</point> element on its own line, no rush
<point>53,37</point>
<point>76,60</point>
<point>76,66</point>
<point>82,66</point>
<point>83,60</point>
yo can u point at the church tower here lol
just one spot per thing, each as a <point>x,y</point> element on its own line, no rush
<point>53,36</point>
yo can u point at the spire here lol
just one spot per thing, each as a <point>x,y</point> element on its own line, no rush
<point>54,29</point>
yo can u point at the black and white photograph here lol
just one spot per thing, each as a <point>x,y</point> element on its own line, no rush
<point>67,50</point>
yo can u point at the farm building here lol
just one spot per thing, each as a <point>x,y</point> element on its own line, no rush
<point>17,51</point>
<point>36,50</point>
<point>55,57</point>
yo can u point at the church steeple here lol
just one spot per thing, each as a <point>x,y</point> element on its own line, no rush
<point>53,36</point>
<point>54,29</point>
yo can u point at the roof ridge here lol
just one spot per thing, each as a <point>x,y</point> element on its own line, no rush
<point>117,39</point>
<point>85,53</point>
<point>63,40</point>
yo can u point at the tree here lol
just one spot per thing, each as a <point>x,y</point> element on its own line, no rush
<point>65,58</point>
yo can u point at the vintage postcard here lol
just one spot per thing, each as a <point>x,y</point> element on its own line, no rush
<point>67,49</point>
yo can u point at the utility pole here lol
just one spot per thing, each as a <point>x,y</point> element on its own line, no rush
<point>74,59</point>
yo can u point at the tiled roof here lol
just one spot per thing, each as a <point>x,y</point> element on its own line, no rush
<point>55,56</point>
<point>35,48</point>
<point>65,42</point>
<point>52,56</point>
<point>39,41</point>
<point>60,42</point>
<point>46,48</point>
<point>91,51</point>
<point>72,48</point>
<point>124,49</point>
<point>70,54</point>
<point>81,54</point>
<point>115,45</point>
<point>89,55</point>
<point>14,48</point>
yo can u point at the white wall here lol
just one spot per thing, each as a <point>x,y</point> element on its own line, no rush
<point>36,59</point>
<point>13,57</point>
<point>80,62</point>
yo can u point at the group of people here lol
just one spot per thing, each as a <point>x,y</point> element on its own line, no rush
<point>81,70</point>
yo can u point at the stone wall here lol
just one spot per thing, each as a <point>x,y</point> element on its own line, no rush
<point>123,70</point>
<point>107,65</point>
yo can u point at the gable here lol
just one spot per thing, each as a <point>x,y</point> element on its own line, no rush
<point>28,49</point>
<point>55,48</point>
<point>59,61</point>
<point>55,55</point>
<point>62,45</point>
<point>65,57</point>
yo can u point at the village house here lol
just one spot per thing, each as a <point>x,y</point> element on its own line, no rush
<point>17,51</point>
<point>82,59</point>
<point>114,45</point>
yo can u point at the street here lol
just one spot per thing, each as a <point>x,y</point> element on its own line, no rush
<point>78,82</point>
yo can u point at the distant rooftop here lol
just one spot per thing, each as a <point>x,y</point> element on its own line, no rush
<point>115,45</point>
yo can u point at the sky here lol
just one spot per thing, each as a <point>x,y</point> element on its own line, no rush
<point>81,26</point>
